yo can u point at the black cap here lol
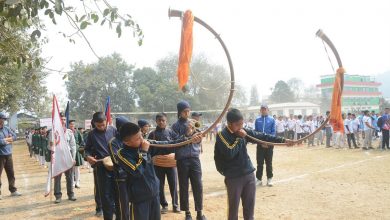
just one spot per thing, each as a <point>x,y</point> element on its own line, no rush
<point>196,114</point>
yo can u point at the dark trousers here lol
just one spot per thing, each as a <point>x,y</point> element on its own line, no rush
<point>147,210</point>
<point>281,134</point>
<point>122,204</point>
<point>190,169</point>
<point>106,183</point>
<point>385,138</point>
<point>7,164</point>
<point>349,138</point>
<point>69,184</point>
<point>171,173</point>
<point>98,201</point>
<point>264,155</point>
<point>30,149</point>
<point>290,135</point>
<point>244,188</point>
<point>328,134</point>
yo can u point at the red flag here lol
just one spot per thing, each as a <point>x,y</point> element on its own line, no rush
<point>108,111</point>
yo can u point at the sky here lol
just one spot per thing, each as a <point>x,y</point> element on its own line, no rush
<point>268,40</point>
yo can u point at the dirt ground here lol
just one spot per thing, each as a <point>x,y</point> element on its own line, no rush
<point>310,183</point>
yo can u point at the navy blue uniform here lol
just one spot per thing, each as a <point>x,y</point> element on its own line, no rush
<point>97,146</point>
<point>232,161</point>
<point>170,172</point>
<point>142,182</point>
<point>189,168</point>
<point>120,176</point>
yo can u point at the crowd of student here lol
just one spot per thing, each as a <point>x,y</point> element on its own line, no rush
<point>359,129</point>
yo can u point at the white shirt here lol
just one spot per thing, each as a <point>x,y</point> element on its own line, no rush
<point>291,124</point>
<point>298,126</point>
<point>307,126</point>
<point>314,126</point>
<point>279,126</point>
<point>348,125</point>
<point>366,119</point>
<point>250,125</point>
<point>355,124</point>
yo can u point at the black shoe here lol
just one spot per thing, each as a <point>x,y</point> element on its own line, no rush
<point>77,186</point>
<point>72,198</point>
<point>365,148</point>
<point>188,216</point>
<point>58,200</point>
<point>164,210</point>
<point>99,213</point>
<point>201,217</point>
<point>176,210</point>
<point>371,148</point>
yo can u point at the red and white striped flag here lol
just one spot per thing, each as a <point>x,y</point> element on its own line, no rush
<point>61,158</point>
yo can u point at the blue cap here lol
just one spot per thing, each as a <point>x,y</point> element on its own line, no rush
<point>182,105</point>
<point>2,116</point>
<point>120,121</point>
<point>142,122</point>
<point>264,106</point>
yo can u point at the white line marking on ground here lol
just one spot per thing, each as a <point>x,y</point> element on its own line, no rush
<point>223,192</point>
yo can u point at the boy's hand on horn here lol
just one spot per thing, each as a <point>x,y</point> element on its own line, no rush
<point>145,145</point>
<point>197,138</point>
<point>241,133</point>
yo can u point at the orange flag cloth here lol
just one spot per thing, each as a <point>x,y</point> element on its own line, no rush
<point>185,54</point>
<point>336,119</point>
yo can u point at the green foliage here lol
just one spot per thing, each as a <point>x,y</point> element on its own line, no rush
<point>89,85</point>
<point>282,93</point>
<point>208,88</point>
<point>296,86</point>
<point>27,15</point>
<point>21,88</point>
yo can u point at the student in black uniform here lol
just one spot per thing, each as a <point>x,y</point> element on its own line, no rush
<point>232,161</point>
<point>120,175</point>
<point>96,149</point>
<point>145,126</point>
<point>188,164</point>
<point>165,165</point>
<point>143,185</point>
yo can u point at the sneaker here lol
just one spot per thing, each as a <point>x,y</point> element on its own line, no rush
<point>365,148</point>
<point>58,200</point>
<point>164,210</point>
<point>259,183</point>
<point>176,210</point>
<point>99,213</point>
<point>72,198</point>
<point>16,193</point>
<point>269,182</point>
